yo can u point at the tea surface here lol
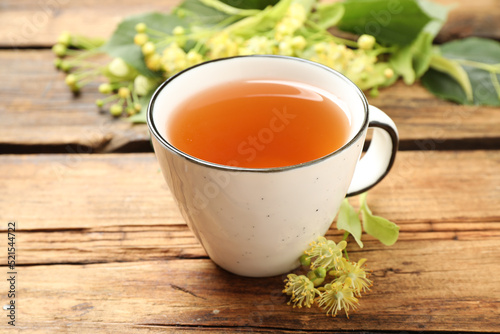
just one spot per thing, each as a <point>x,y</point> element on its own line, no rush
<point>259,124</point>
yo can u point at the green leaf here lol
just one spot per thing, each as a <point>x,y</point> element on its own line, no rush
<point>382,229</point>
<point>390,22</point>
<point>413,60</point>
<point>455,71</point>
<point>198,13</point>
<point>250,4</point>
<point>348,220</point>
<point>328,14</point>
<point>444,86</point>
<point>261,22</point>
<point>473,48</point>
<point>466,71</point>
<point>438,14</point>
<point>121,44</point>
<point>208,13</point>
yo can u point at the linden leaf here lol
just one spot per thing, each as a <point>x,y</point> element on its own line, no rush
<point>466,71</point>
<point>384,230</point>
<point>390,22</point>
<point>348,220</point>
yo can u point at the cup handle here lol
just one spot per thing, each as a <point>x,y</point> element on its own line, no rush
<point>379,157</point>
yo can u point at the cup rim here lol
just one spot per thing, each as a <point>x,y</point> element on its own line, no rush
<point>165,143</point>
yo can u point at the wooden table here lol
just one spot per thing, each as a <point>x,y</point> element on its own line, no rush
<point>101,247</point>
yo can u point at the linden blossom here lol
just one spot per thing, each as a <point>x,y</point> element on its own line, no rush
<point>265,135</point>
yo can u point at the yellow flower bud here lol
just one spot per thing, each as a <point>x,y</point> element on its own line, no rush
<point>123,92</point>
<point>148,49</point>
<point>59,49</point>
<point>71,80</point>
<point>388,73</point>
<point>178,31</point>
<point>140,39</point>
<point>118,67</point>
<point>140,27</point>
<point>64,38</point>
<point>299,42</point>
<point>366,42</point>
<point>116,110</point>
<point>153,62</point>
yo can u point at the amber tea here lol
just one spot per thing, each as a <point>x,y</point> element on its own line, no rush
<point>259,124</point>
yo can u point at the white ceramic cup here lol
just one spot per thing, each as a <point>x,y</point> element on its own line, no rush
<point>258,222</point>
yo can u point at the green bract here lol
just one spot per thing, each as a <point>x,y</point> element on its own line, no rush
<point>348,220</point>
<point>382,229</point>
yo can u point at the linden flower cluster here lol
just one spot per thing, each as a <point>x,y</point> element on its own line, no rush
<point>288,28</point>
<point>167,53</point>
<point>349,279</point>
<point>79,57</point>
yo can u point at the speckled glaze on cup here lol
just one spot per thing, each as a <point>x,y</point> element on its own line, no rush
<point>257,222</point>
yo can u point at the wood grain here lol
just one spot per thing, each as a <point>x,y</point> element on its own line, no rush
<point>30,23</point>
<point>115,208</point>
<point>38,23</point>
<point>38,110</point>
<point>419,285</point>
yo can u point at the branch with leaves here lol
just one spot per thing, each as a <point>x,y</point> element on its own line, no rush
<point>396,43</point>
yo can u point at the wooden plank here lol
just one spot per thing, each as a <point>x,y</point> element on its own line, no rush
<point>38,110</point>
<point>38,23</point>
<point>427,123</point>
<point>91,328</point>
<point>86,191</point>
<point>418,285</point>
<point>126,244</point>
<point>471,18</point>
<point>115,208</point>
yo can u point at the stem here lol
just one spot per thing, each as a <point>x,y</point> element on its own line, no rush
<point>453,69</point>
<point>197,47</point>
<point>82,54</point>
<point>380,50</point>
<point>346,235</point>
<point>220,6</point>
<point>156,32</point>
<point>87,43</point>
<point>336,39</point>
<point>165,42</point>
<point>130,101</point>
<point>496,84</point>
<point>110,98</point>
<point>482,66</point>
<point>135,97</point>
<point>86,73</point>
<point>226,22</point>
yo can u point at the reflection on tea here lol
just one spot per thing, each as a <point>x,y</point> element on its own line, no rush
<point>259,124</point>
